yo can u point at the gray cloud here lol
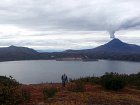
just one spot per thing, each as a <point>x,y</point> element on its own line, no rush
<point>71,14</point>
<point>49,17</point>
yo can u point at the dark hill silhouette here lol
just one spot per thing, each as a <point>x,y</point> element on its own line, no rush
<point>117,45</point>
<point>17,53</point>
<point>114,50</point>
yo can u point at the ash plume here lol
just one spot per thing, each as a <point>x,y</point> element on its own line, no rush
<point>112,34</point>
<point>131,23</point>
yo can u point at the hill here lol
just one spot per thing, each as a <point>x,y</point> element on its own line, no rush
<point>113,50</point>
<point>114,45</point>
<point>12,53</point>
<point>117,45</point>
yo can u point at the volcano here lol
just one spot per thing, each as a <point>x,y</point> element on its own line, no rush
<point>114,50</point>
<point>118,46</point>
<point>113,46</point>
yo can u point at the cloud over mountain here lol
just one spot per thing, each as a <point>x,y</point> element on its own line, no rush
<point>40,17</point>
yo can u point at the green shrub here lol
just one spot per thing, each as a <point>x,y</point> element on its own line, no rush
<point>134,80</point>
<point>9,91</point>
<point>113,81</point>
<point>26,95</point>
<point>49,92</point>
<point>77,87</point>
<point>89,79</point>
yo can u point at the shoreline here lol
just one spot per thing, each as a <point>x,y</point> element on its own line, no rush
<point>94,60</point>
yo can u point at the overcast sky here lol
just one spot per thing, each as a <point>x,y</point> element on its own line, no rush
<point>68,24</point>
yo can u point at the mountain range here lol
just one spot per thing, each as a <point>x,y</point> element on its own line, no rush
<point>113,50</point>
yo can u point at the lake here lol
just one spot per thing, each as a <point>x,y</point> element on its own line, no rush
<point>38,71</point>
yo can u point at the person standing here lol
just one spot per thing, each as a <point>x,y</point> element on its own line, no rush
<point>64,79</point>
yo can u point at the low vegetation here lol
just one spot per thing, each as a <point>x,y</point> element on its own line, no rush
<point>134,80</point>
<point>8,91</point>
<point>11,93</point>
<point>113,81</point>
<point>77,87</point>
<point>26,95</point>
<point>91,80</point>
<point>49,92</point>
<point>82,91</point>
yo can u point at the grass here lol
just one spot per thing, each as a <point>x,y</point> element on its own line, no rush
<point>77,87</point>
<point>82,91</point>
<point>112,81</point>
<point>49,92</point>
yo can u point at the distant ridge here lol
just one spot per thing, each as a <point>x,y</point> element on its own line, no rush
<point>114,45</point>
<point>17,53</point>
<point>113,50</point>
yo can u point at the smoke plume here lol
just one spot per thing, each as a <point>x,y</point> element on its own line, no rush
<point>131,23</point>
<point>112,34</point>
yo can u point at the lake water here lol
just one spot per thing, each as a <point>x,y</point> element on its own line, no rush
<point>38,71</point>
